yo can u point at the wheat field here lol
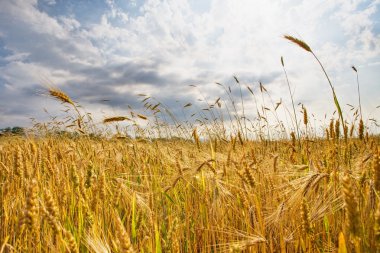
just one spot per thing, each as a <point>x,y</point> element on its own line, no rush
<point>88,195</point>
<point>201,188</point>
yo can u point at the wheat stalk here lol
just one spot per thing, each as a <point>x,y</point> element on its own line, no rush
<point>306,47</point>
<point>115,119</point>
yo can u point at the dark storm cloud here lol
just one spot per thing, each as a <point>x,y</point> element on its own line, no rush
<point>128,73</point>
<point>99,93</point>
<point>100,85</point>
<point>17,106</point>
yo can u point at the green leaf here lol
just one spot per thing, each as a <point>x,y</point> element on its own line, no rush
<point>158,240</point>
<point>134,233</point>
<point>327,225</point>
<point>170,198</point>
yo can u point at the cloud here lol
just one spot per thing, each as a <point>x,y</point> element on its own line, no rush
<point>160,47</point>
<point>50,2</point>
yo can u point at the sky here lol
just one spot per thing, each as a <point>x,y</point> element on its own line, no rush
<point>102,53</point>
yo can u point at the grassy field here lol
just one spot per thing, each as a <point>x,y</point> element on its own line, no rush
<point>218,183</point>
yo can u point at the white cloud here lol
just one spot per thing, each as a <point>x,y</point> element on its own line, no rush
<point>50,2</point>
<point>174,42</point>
<point>69,24</point>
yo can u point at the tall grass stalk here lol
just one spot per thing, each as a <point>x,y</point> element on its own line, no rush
<point>291,97</point>
<point>357,81</point>
<point>306,47</point>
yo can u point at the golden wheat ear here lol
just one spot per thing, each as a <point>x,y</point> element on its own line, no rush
<point>298,42</point>
<point>114,119</point>
<point>60,95</point>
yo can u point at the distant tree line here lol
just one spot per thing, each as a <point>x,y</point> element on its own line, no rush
<point>12,131</point>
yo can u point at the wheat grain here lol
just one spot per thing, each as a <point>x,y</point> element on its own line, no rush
<point>60,95</point>
<point>115,119</point>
